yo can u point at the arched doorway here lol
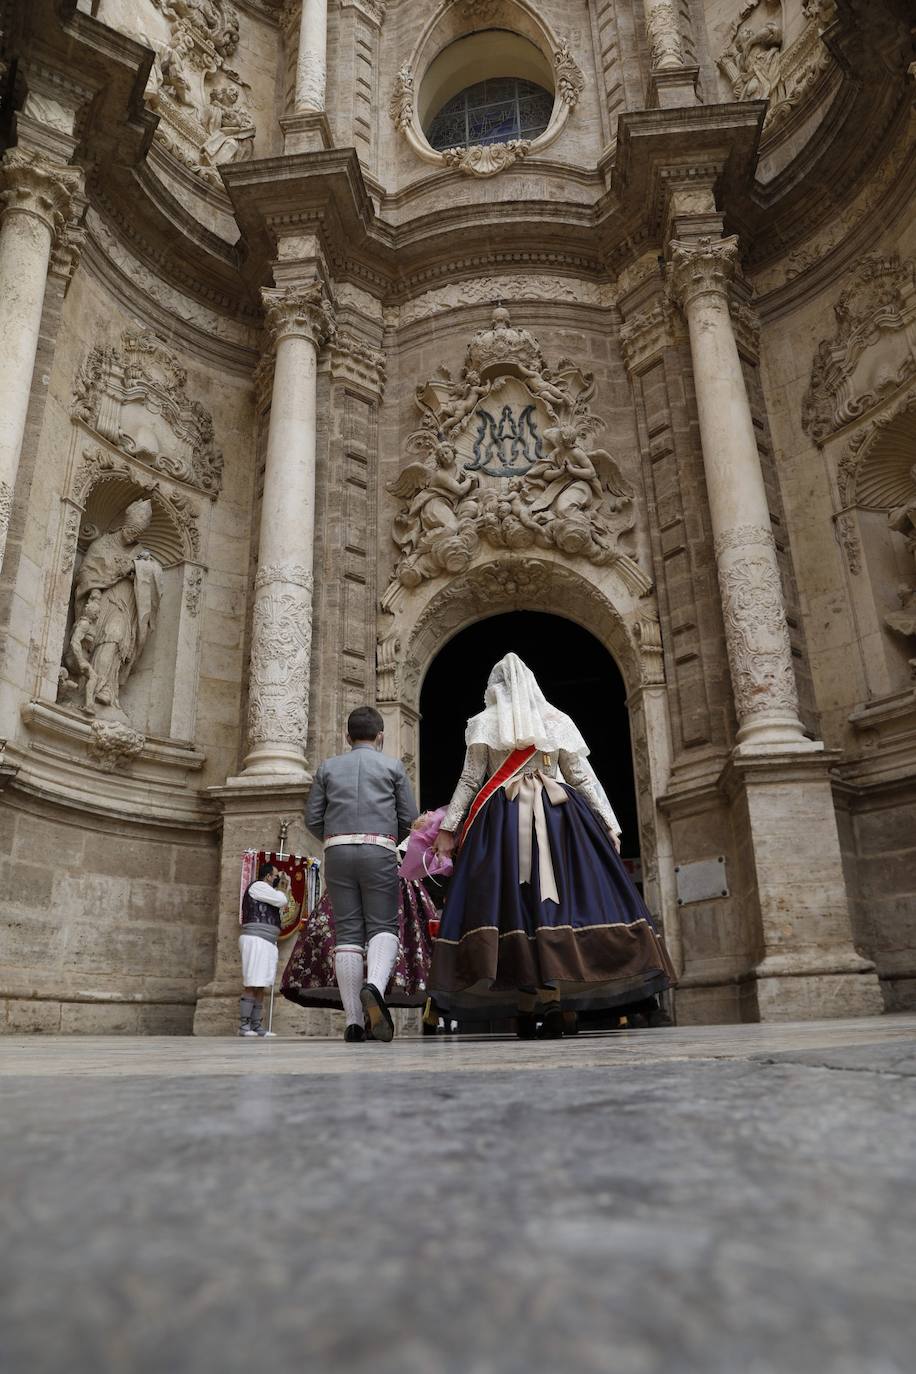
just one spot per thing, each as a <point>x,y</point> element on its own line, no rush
<point>575,672</point>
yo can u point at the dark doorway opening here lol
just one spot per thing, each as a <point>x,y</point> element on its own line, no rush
<point>575,672</point>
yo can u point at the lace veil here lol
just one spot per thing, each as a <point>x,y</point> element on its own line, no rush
<point>518,714</point>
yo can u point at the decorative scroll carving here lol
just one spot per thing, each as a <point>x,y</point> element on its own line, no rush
<point>503,457</point>
<point>702,268</point>
<point>135,396</point>
<point>113,744</point>
<point>304,311</point>
<point>482,160</point>
<point>570,82</point>
<point>873,350</point>
<point>400,105</point>
<point>759,68</point>
<point>386,667</point>
<point>756,631</point>
<point>204,117</point>
<point>32,185</point>
<point>648,632</point>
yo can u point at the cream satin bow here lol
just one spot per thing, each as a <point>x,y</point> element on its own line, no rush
<point>529,789</point>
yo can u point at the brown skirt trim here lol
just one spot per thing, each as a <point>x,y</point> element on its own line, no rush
<point>561,954</point>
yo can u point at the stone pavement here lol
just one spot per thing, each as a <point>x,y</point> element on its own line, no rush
<point>722,1200</point>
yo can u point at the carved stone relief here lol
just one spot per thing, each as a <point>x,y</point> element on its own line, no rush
<point>504,457</point>
<point>873,350</point>
<point>205,121</point>
<point>280,653</point>
<point>135,396</point>
<point>760,67</point>
<point>756,631</point>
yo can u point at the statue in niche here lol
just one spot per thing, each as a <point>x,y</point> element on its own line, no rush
<point>435,533</point>
<point>230,129</point>
<point>902,519</point>
<point>115,605</point>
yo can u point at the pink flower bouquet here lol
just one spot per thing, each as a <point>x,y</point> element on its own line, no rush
<point>420,858</point>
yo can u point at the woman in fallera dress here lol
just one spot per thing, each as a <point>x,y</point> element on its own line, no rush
<point>541,907</point>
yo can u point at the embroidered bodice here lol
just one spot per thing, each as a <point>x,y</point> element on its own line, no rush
<point>481,762</point>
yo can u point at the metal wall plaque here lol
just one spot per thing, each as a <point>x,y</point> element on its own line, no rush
<point>702,881</point>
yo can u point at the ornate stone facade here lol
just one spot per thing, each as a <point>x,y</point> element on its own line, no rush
<point>291,396</point>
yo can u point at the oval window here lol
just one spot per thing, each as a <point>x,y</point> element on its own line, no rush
<point>493,111</point>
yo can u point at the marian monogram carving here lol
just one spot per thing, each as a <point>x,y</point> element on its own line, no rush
<point>503,457</point>
<point>872,352</point>
<point>134,395</point>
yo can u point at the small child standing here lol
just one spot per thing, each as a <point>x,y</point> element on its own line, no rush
<point>262,905</point>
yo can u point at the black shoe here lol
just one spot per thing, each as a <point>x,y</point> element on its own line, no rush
<point>526,1025</point>
<point>354,1033</point>
<point>570,1023</point>
<point>551,1028</point>
<point>380,1022</point>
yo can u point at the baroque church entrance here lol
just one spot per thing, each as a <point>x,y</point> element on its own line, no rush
<point>575,672</point>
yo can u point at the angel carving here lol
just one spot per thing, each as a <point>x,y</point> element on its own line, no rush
<point>435,531</point>
<point>455,411</point>
<point>576,495</point>
<point>549,391</point>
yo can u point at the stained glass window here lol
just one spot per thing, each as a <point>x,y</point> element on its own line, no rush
<point>492,112</point>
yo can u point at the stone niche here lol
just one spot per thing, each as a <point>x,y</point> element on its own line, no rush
<point>121,638</point>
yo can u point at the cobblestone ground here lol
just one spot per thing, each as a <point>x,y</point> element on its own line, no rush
<point>732,1200</point>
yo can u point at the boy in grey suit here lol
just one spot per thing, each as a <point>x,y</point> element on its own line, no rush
<point>361,804</point>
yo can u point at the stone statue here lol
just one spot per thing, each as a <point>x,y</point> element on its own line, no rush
<point>573,501</point>
<point>902,519</point>
<point>458,407</point>
<point>436,531</point>
<point>230,129</point>
<point>115,604</point>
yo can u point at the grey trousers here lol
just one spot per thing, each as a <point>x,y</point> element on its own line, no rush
<point>362,883</point>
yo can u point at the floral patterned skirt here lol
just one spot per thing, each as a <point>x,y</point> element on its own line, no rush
<point>309,974</point>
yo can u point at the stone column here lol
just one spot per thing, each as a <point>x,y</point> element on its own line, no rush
<point>299,320</point>
<point>664,35</point>
<point>311,64</point>
<point>34,203</point>
<point>756,632</point>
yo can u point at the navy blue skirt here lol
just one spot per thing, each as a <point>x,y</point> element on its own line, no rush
<point>598,944</point>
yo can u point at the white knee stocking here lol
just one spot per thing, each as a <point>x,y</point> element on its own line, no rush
<point>348,965</point>
<point>380,958</point>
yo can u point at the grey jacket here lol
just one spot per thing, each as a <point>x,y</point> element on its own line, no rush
<point>362,790</point>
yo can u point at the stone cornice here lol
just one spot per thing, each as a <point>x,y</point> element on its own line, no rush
<point>302,312</point>
<point>351,360</point>
<point>702,268</point>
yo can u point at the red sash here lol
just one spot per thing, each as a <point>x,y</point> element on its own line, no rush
<point>516,760</point>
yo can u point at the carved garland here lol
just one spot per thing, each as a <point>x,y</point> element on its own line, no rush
<point>756,630</point>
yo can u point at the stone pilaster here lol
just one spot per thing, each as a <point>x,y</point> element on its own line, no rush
<point>756,632</point>
<point>35,197</point>
<point>299,320</point>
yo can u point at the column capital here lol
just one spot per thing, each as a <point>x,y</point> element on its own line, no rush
<point>352,360</point>
<point>303,312</point>
<point>32,185</point>
<point>703,267</point>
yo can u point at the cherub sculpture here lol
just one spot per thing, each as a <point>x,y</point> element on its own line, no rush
<point>577,494</point>
<point>455,411</point>
<point>435,532</point>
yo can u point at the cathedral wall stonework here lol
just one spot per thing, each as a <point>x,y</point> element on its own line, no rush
<point>291,396</point>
